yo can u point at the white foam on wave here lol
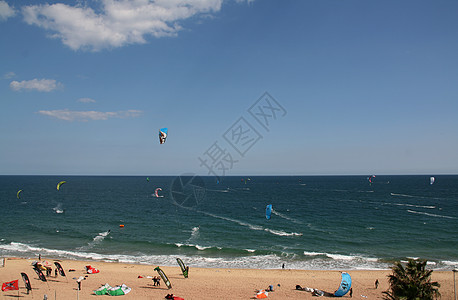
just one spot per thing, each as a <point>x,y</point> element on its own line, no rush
<point>96,240</point>
<point>314,253</point>
<point>198,247</point>
<point>195,232</point>
<point>249,261</point>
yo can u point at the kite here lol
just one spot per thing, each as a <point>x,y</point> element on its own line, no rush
<point>59,268</point>
<point>431,180</point>
<point>164,277</point>
<point>25,278</point>
<point>163,135</point>
<point>184,269</point>
<point>17,195</point>
<point>345,285</point>
<point>40,274</point>
<point>59,184</point>
<point>118,290</point>
<point>156,194</point>
<point>370,178</point>
<point>268,211</point>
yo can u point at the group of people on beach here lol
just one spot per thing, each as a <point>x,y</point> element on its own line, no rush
<point>156,281</point>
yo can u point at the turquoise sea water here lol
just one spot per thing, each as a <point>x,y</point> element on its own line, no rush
<point>318,222</point>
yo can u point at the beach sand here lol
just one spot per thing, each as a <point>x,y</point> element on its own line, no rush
<point>202,283</point>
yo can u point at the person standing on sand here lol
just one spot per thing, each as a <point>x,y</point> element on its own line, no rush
<point>376,283</point>
<point>351,292</point>
<point>283,266</point>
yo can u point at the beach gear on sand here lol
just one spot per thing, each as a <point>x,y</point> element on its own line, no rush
<point>26,280</point>
<point>164,277</point>
<point>171,296</point>
<point>103,289</point>
<point>184,269</point>
<point>59,268</point>
<point>262,294</point>
<point>345,285</point>
<point>91,270</point>
<point>118,290</point>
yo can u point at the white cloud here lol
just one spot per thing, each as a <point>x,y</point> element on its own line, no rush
<point>116,22</point>
<point>71,115</point>
<point>86,100</point>
<point>6,11</point>
<point>41,85</point>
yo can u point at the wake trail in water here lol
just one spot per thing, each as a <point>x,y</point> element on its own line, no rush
<point>411,205</point>
<point>285,217</point>
<point>429,214</point>
<point>253,227</point>
<point>412,196</point>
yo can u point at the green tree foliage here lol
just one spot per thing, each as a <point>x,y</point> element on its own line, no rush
<point>412,282</point>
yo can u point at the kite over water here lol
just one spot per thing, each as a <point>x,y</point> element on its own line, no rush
<point>17,195</point>
<point>431,180</point>
<point>268,211</point>
<point>156,193</point>
<point>163,135</point>
<point>59,184</point>
<point>370,178</point>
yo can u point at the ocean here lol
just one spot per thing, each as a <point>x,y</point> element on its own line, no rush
<point>317,222</point>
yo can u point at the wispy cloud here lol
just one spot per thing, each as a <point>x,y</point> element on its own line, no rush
<point>86,100</point>
<point>9,75</point>
<point>41,85</point>
<point>116,22</point>
<point>84,116</point>
<point>6,11</point>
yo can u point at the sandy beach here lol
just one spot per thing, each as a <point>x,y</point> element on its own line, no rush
<point>202,283</point>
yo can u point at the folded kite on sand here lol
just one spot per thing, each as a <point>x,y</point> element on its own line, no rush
<point>91,270</point>
<point>118,290</point>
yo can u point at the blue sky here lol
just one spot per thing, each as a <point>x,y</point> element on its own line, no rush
<point>354,87</point>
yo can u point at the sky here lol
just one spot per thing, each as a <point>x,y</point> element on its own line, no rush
<point>259,87</point>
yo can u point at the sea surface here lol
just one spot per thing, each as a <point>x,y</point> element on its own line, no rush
<point>318,222</point>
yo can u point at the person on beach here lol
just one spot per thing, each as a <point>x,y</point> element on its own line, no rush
<point>376,283</point>
<point>351,292</point>
<point>154,281</point>
<point>283,266</point>
<point>158,280</point>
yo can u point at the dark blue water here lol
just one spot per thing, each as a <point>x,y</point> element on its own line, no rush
<point>326,222</point>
